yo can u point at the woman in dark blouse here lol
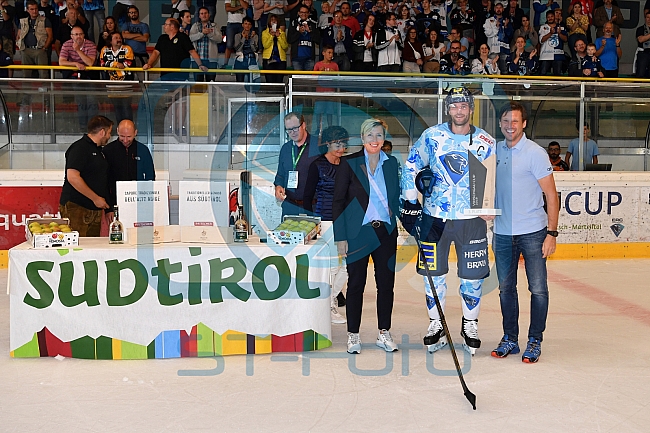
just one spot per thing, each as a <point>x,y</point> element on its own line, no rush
<point>318,197</point>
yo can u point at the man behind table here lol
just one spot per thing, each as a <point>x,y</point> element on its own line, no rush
<point>85,189</point>
<point>127,158</point>
<point>293,164</point>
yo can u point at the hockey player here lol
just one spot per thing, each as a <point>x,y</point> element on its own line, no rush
<point>446,149</point>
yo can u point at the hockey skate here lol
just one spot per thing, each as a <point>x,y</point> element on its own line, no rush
<point>469,332</point>
<point>435,338</point>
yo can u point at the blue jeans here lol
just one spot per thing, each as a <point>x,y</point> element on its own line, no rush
<point>231,30</point>
<point>98,15</point>
<point>303,65</point>
<point>507,250</point>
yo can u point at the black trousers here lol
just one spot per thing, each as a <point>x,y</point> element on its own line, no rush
<point>383,258</point>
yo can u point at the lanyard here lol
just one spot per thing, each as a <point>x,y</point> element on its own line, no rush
<point>293,155</point>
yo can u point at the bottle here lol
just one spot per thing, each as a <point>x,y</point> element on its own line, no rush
<point>116,230</point>
<point>241,227</point>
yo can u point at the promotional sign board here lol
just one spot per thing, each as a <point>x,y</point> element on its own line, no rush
<point>203,203</point>
<point>17,203</point>
<point>143,204</point>
<point>148,302</point>
<point>595,214</point>
<point>204,211</point>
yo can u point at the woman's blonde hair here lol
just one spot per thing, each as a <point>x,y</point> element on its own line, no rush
<point>368,124</point>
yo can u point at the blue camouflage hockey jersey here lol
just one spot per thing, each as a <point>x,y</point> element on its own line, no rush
<point>446,154</point>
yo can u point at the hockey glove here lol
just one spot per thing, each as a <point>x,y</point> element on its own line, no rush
<point>410,215</point>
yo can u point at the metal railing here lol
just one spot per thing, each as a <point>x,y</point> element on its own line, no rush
<point>235,124</point>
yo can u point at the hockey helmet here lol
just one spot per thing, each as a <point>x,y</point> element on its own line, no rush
<point>459,94</point>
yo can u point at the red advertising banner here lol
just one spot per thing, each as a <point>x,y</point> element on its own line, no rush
<point>17,203</point>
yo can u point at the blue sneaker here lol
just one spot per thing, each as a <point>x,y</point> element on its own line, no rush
<point>506,347</point>
<point>533,351</point>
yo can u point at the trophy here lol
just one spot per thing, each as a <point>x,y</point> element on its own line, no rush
<point>481,185</point>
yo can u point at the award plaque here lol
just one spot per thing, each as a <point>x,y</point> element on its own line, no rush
<point>481,185</point>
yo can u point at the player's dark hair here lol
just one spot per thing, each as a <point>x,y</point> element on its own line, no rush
<point>553,143</point>
<point>98,123</point>
<point>514,106</point>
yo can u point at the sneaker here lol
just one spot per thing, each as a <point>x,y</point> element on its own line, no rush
<point>354,342</point>
<point>336,316</point>
<point>385,341</point>
<point>533,351</point>
<point>340,299</point>
<point>506,347</point>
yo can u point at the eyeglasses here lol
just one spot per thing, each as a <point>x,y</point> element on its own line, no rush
<point>294,129</point>
<point>338,144</point>
<point>76,34</point>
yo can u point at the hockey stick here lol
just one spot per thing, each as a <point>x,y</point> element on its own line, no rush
<point>468,394</point>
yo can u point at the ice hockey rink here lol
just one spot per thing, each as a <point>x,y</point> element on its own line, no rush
<point>593,375</point>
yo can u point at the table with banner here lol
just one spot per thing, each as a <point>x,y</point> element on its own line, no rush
<point>101,301</point>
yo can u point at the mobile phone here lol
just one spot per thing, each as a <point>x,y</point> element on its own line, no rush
<point>274,26</point>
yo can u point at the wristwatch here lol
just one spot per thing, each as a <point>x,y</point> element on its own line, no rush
<point>553,233</point>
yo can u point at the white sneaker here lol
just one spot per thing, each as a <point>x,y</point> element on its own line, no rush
<point>385,341</point>
<point>354,342</point>
<point>336,316</point>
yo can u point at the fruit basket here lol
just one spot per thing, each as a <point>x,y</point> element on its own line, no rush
<point>295,229</point>
<point>50,233</point>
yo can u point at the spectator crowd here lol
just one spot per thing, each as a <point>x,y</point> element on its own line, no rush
<point>445,36</point>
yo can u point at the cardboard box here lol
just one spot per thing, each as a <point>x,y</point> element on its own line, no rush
<point>294,237</point>
<point>153,235</point>
<point>51,240</point>
<point>206,234</point>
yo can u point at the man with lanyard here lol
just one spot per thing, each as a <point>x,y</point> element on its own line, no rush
<point>296,155</point>
<point>443,155</point>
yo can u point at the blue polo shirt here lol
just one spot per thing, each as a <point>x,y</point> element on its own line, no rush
<point>518,193</point>
<point>591,150</point>
<point>378,197</point>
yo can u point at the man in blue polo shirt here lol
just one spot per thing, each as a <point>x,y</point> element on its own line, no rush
<point>523,173</point>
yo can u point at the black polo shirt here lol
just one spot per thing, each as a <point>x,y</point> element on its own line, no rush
<point>127,163</point>
<point>174,51</point>
<point>87,158</point>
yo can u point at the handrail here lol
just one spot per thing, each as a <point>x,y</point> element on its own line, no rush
<point>531,78</point>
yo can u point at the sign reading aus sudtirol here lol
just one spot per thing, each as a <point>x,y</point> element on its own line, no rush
<point>141,296</point>
<point>203,203</point>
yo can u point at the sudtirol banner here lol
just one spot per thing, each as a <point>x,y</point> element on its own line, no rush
<point>128,302</point>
